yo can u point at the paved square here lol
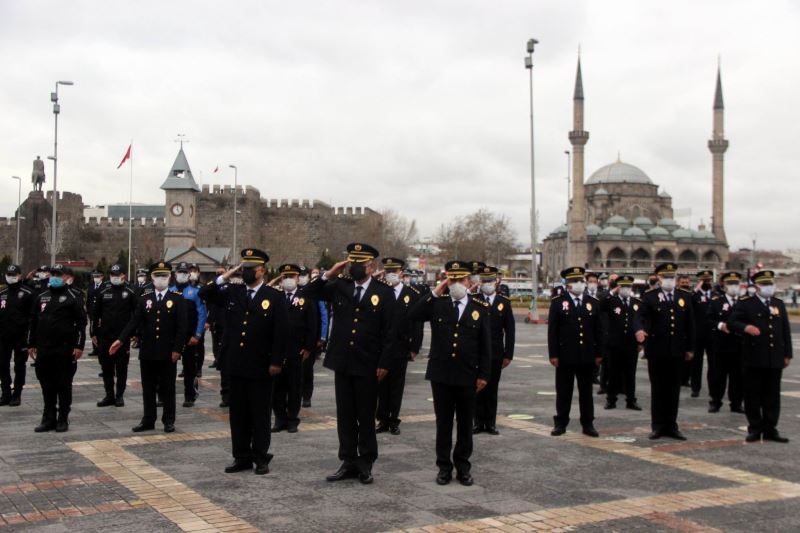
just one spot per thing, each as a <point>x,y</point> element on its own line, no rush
<point>99,475</point>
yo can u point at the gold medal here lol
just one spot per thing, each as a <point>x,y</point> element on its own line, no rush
<point>375,299</point>
<point>265,304</point>
<point>301,301</point>
<point>475,315</point>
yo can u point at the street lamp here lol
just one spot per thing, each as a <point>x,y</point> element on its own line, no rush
<point>56,111</point>
<point>19,204</point>
<point>534,266</point>
<point>235,194</point>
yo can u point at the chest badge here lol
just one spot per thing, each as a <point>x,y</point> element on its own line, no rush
<point>169,304</point>
<point>375,299</point>
<point>635,307</point>
<point>2,304</point>
<point>588,306</point>
<point>264,304</point>
<point>20,294</point>
<point>475,315</point>
<point>301,301</point>
<point>500,306</point>
<point>406,299</point>
<point>681,302</point>
<point>62,299</point>
<point>124,295</point>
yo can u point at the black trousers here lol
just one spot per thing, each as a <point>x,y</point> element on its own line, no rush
<point>356,399</point>
<point>286,393</point>
<point>693,370</point>
<point>566,375</point>
<point>158,375</point>
<point>486,400</point>
<point>249,418</point>
<point>307,376</point>
<point>449,401</point>
<point>55,371</point>
<point>622,361</point>
<point>114,366</point>
<point>762,398</point>
<point>665,389</point>
<point>216,341</point>
<point>190,369</point>
<point>725,371</point>
<point>13,347</point>
<point>390,395</point>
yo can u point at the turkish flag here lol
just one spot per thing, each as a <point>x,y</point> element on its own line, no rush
<point>125,157</point>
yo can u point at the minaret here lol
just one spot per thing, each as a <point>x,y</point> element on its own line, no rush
<point>577,255</point>
<point>718,144</point>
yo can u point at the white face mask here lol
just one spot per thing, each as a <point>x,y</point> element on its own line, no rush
<point>458,291</point>
<point>182,277</point>
<point>160,282</point>
<point>625,292</point>
<point>288,284</point>
<point>116,280</point>
<point>577,287</point>
<point>488,288</point>
<point>668,284</point>
<point>142,280</point>
<point>12,279</point>
<point>766,291</point>
<point>751,290</point>
<point>732,290</point>
<point>392,278</point>
<point>591,286</point>
<point>194,276</point>
<point>302,281</point>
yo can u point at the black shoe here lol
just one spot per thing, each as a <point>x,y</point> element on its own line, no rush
<point>610,405</point>
<point>714,407</point>
<point>48,425</point>
<point>590,431</point>
<point>278,428</point>
<point>382,427</point>
<point>464,478</point>
<point>655,434</point>
<point>306,403</point>
<point>188,403</point>
<point>491,430</point>
<point>143,427</point>
<point>444,477</point>
<point>753,437</point>
<point>345,472</point>
<point>633,406</point>
<point>477,428</point>
<point>774,436</point>
<point>15,401</point>
<point>5,400</point>
<point>601,391</point>
<point>213,365</point>
<point>695,394</point>
<point>365,477</point>
<point>558,430</point>
<point>62,426</point>
<point>119,402</point>
<point>224,403</point>
<point>238,466</point>
<point>394,430</point>
<point>100,375</point>
<point>260,470</point>
<point>291,429</point>
<point>737,409</point>
<point>105,402</point>
<point>180,375</point>
<point>159,403</point>
<point>169,428</point>
<point>675,434</point>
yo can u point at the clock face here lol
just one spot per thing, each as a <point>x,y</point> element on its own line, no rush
<point>177,209</point>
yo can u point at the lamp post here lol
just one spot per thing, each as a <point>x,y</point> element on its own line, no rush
<point>19,204</point>
<point>235,194</point>
<point>534,266</point>
<point>56,111</point>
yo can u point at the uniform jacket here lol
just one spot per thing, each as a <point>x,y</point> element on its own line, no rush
<point>161,326</point>
<point>407,333</point>
<point>619,318</point>
<point>58,322</point>
<point>195,310</point>
<point>16,302</point>
<point>670,328</point>
<point>701,303</point>
<point>502,326</point>
<point>302,315</point>
<point>574,334</point>
<point>720,310</point>
<point>775,342</point>
<point>113,308</point>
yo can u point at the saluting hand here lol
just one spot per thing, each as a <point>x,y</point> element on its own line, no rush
<point>227,275</point>
<point>336,269</point>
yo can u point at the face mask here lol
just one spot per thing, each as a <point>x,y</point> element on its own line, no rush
<point>289,284</point>
<point>732,290</point>
<point>160,282</point>
<point>194,276</point>
<point>56,282</point>
<point>116,281</point>
<point>591,286</point>
<point>604,283</point>
<point>668,284</point>
<point>625,292</point>
<point>751,290</point>
<point>142,280</point>
<point>97,281</point>
<point>249,275</point>
<point>767,291</point>
<point>302,281</point>
<point>577,287</point>
<point>358,272</point>
<point>392,278</point>
<point>12,279</point>
<point>182,277</point>
<point>706,286</point>
<point>458,291</point>
<point>488,288</point>
<point>406,280</point>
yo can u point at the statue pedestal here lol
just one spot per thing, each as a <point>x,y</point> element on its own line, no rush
<point>36,195</point>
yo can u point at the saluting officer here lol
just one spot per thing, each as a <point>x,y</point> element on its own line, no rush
<point>322,338</point>
<point>574,346</point>
<point>55,340</point>
<point>113,308</point>
<point>725,351</point>
<point>665,325</point>
<point>701,300</point>
<point>254,352</point>
<point>475,276</point>
<point>358,353</point>
<point>501,320</point>
<point>160,318</point>
<point>620,347</point>
<point>767,350</point>
<point>301,341</point>
<point>16,302</point>
<point>407,340</point>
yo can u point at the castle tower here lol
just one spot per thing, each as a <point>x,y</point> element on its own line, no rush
<point>577,249</point>
<point>718,145</point>
<point>181,205</point>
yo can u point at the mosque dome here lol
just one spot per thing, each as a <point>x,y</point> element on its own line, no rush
<point>643,222</point>
<point>668,223</point>
<point>618,221</point>
<point>611,231</point>
<point>658,231</point>
<point>618,172</point>
<point>682,233</point>
<point>593,229</point>
<point>633,231</point>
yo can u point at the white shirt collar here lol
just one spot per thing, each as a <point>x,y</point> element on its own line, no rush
<point>161,294</point>
<point>397,290</point>
<point>491,297</point>
<point>256,288</point>
<point>763,300</point>
<point>365,284</point>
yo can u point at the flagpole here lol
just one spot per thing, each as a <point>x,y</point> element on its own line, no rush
<point>130,213</point>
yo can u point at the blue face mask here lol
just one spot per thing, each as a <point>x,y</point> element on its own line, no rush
<point>56,282</point>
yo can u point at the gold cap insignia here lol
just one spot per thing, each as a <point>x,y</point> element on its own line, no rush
<point>456,265</point>
<point>357,247</point>
<point>248,253</point>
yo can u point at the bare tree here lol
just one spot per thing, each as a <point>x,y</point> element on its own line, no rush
<point>398,234</point>
<point>480,236</point>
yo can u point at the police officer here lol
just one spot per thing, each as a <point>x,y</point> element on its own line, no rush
<point>665,325</point>
<point>407,341</point>
<point>113,308</point>
<point>255,350</point>
<point>620,347</point>
<point>91,295</point>
<point>16,302</point>
<point>322,338</point>
<point>725,351</point>
<point>55,340</point>
<point>762,322</point>
<point>503,337</point>
<point>196,319</point>
<point>215,322</point>
<point>701,301</point>
<point>38,280</point>
<point>459,365</point>
<point>301,334</point>
<point>574,346</point>
<point>161,320</point>
<point>475,276</point>
<point>358,353</point>
<point>143,283</point>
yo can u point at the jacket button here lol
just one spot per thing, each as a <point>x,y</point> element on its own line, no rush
<point>358,309</point>
<point>244,323</point>
<point>455,345</point>
<point>454,354</point>
<point>156,337</point>
<point>351,343</point>
<point>455,335</point>
<point>241,344</point>
<point>581,342</point>
<point>355,320</point>
<point>244,333</point>
<point>353,332</point>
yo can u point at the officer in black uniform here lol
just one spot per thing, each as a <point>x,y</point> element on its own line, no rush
<point>405,347</point>
<point>459,365</point>
<point>91,295</point>
<point>475,276</point>
<point>113,308</point>
<point>307,386</point>
<point>160,319</point>
<point>701,301</point>
<point>503,337</point>
<point>762,322</point>
<point>143,283</point>
<point>254,352</point>
<point>725,353</point>
<point>216,322</point>
<point>620,347</point>
<point>574,346</point>
<point>301,336</point>
<point>358,353</point>
<point>665,325</point>
<point>16,302</point>
<point>55,340</point>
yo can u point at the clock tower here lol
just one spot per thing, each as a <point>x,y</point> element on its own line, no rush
<point>181,206</point>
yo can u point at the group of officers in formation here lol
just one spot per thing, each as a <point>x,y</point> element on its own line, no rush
<point>367,316</point>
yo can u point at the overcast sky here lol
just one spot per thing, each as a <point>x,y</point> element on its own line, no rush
<point>421,106</point>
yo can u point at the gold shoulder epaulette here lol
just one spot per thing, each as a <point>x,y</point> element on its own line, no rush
<point>178,293</point>
<point>715,297</point>
<point>479,301</point>
<point>416,291</point>
<point>345,276</point>
<point>684,290</point>
<point>651,290</point>
<point>504,297</point>
<point>743,298</point>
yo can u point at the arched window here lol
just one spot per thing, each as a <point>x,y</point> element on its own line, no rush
<point>711,257</point>
<point>664,255</point>
<point>616,258</point>
<point>687,257</point>
<point>640,258</point>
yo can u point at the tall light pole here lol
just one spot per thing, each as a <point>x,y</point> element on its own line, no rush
<point>19,204</point>
<point>56,111</point>
<point>534,266</point>
<point>235,195</point>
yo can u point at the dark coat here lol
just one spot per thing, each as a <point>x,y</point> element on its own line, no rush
<point>161,326</point>
<point>775,342</point>
<point>574,334</point>
<point>720,310</point>
<point>113,309</point>
<point>407,334</point>
<point>670,328</point>
<point>702,304</point>
<point>16,303</point>
<point>303,324</point>
<point>58,322</point>
<point>619,322</point>
<point>503,328</point>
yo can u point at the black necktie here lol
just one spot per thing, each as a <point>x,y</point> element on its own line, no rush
<point>766,302</point>
<point>456,303</point>
<point>669,297</point>
<point>250,293</point>
<point>359,288</point>
<point>577,302</point>
<point>159,297</point>
<point>288,298</point>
